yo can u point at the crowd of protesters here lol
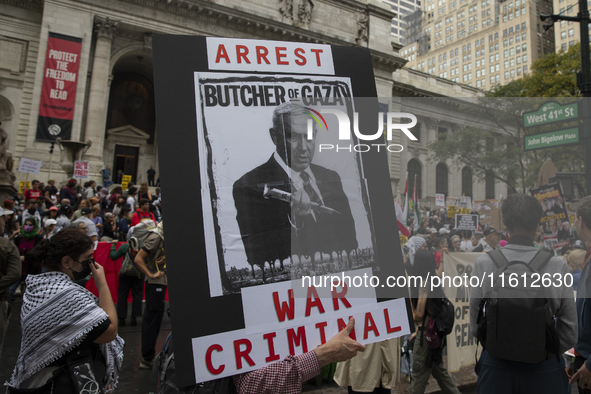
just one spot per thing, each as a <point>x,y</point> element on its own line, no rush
<point>100,214</point>
<point>31,220</point>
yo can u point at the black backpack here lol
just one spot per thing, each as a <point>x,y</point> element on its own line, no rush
<point>515,323</point>
<point>445,316</point>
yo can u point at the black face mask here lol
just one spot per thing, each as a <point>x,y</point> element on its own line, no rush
<point>32,211</point>
<point>79,275</point>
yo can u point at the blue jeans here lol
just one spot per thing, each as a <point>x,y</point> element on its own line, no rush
<point>15,286</point>
<point>502,376</point>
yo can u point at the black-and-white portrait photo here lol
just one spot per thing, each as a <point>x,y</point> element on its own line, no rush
<point>281,206</point>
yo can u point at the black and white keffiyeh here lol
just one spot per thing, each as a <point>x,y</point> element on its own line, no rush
<point>56,316</point>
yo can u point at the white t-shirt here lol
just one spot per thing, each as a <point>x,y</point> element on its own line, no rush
<point>131,202</point>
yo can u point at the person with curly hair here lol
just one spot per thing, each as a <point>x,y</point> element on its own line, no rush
<point>69,336</point>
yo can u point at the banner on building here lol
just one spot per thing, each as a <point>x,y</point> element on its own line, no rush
<point>461,346</point>
<point>29,166</point>
<point>81,169</point>
<point>556,221</point>
<point>466,222</point>
<point>439,200</point>
<point>58,89</point>
<point>224,122</point>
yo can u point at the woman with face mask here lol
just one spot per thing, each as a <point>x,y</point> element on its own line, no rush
<point>28,237</point>
<point>69,337</point>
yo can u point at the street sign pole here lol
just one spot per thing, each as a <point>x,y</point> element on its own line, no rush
<point>583,80</point>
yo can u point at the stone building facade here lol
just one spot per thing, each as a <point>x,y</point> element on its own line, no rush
<point>114,105</point>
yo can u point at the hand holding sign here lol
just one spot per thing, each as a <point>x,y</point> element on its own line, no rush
<point>340,347</point>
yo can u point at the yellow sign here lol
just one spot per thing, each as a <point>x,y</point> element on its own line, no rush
<point>23,187</point>
<point>464,211</point>
<point>125,180</point>
<point>451,211</point>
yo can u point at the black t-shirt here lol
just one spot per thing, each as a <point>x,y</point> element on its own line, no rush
<point>108,230</point>
<point>51,189</point>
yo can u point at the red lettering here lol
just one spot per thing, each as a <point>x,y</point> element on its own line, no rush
<point>317,52</point>
<point>241,53</point>
<point>284,308</point>
<point>370,325</point>
<point>295,339</point>
<point>262,53</point>
<point>281,55</point>
<point>222,54</point>
<point>340,295</point>
<point>242,353</point>
<point>317,303</point>
<point>272,356</point>
<point>321,326</point>
<point>298,52</point>
<point>342,325</point>
<point>389,328</point>
<point>210,367</point>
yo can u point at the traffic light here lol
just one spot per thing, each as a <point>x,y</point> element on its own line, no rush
<point>51,148</point>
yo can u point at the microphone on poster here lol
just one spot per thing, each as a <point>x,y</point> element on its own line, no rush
<point>269,192</point>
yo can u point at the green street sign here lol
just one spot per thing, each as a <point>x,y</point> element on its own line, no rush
<point>553,138</point>
<point>551,112</point>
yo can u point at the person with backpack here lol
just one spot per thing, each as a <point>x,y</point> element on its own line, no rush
<point>133,283</point>
<point>427,310</point>
<point>523,329</point>
<point>580,372</point>
<point>151,261</point>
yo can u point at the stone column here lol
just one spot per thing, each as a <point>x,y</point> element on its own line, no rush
<point>429,167</point>
<point>96,117</point>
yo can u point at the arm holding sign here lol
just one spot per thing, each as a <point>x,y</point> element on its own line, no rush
<point>286,376</point>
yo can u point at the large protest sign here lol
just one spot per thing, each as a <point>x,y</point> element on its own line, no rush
<point>555,223</point>
<point>466,222</point>
<point>237,299</point>
<point>461,346</point>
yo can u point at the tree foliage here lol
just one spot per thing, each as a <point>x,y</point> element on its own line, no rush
<point>498,147</point>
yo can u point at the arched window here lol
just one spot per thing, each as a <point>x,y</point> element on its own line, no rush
<point>467,182</point>
<point>441,179</point>
<point>131,102</point>
<point>489,180</point>
<point>414,168</point>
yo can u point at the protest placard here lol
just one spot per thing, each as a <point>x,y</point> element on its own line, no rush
<point>81,169</point>
<point>29,166</point>
<point>245,273</point>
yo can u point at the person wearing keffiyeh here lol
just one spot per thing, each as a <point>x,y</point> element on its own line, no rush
<point>59,318</point>
<point>412,246</point>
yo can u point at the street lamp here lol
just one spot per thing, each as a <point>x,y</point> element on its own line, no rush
<point>583,78</point>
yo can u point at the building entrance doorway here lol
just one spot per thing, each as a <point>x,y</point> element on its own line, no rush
<point>126,158</point>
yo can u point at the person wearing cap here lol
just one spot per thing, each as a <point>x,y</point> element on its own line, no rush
<point>49,225</point>
<point>432,235</point>
<point>490,241</point>
<point>579,245</point>
<point>52,213</point>
<point>10,272</point>
<point>91,230</point>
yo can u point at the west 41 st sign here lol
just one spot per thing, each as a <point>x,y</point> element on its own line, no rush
<point>551,112</point>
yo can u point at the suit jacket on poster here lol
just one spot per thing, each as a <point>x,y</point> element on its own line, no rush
<point>265,226</point>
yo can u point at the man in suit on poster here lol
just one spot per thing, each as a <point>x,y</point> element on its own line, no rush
<point>318,219</point>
